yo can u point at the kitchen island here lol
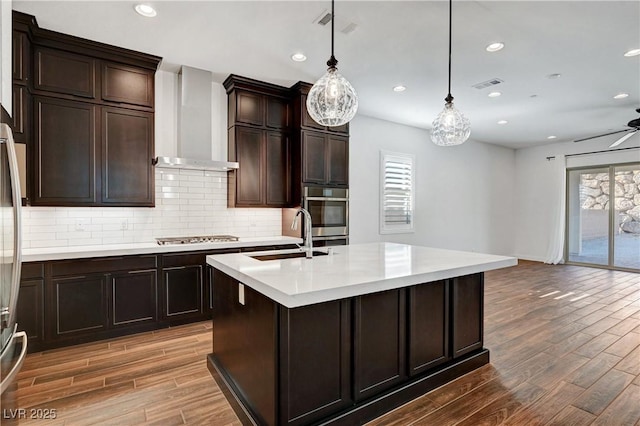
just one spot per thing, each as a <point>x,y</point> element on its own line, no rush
<point>345,337</point>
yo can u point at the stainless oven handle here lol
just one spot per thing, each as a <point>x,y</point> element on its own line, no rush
<point>325,199</point>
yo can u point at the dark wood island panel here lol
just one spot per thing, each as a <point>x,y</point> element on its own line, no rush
<point>346,361</point>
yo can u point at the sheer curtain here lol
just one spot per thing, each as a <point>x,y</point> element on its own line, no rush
<point>555,251</point>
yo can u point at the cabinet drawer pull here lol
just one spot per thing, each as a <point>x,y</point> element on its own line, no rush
<point>141,271</point>
<point>173,268</point>
<point>78,277</point>
<point>110,258</point>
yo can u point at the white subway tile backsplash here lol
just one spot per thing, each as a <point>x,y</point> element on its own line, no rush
<point>46,243</point>
<point>188,202</point>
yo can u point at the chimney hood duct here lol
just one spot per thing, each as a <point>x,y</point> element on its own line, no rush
<point>194,125</point>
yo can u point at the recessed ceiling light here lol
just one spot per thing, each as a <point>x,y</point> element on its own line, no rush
<point>299,57</point>
<point>494,94</point>
<point>554,76</point>
<point>621,96</point>
<point>551,137</point>
<point>502,122</point>
<point>494,47</point>
<point>399,88</point>
<point>145,10</point>
<point>632,52</point>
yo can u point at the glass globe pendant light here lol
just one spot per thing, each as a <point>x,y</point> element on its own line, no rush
<point>450,127</point>
<point>332,101</point>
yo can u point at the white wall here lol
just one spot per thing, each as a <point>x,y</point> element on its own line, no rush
<point>535,193</point>
<point>464,194</point>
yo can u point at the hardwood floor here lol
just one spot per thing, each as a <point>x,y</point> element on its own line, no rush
<point>564,341</point>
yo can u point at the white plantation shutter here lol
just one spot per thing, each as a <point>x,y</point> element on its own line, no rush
<point>396,192</point>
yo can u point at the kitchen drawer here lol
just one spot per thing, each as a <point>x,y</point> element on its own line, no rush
<point>32,270</point>
<point>175,260</point>
<point>103,265</point>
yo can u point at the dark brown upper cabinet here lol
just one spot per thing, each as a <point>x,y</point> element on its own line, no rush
<point>65,150</point>
<point>127,149</point>
<point>21,79</point>
<point>86,117</point>
<point>319,154</point>
<point>63,72</point>
<point>279,146</point>
<point>127,85</point>
<point>259,117</point>
<point>21,53</point>
<point>325,158</point>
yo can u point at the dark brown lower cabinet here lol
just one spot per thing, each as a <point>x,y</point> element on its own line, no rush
<point>80,305</point>
<point>345,361</point>
<point>183,286</point>
<point>428,316</point>
<point>30,308</point>
<point>66,302</point>
<point>467,313</point>
<point>379,342</point>
<point>134,296</point>
<point>315,361</point>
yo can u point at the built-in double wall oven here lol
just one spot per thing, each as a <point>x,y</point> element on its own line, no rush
<point>329,209</point>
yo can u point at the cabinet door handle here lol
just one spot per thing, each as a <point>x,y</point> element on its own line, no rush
<point>141,271</point>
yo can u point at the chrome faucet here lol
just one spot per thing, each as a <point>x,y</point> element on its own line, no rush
<point>308,244</point>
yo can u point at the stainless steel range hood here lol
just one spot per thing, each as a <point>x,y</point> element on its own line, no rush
<point>194,125</point>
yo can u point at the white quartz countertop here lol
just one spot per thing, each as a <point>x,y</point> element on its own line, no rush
<point>78,252</point>
<point>351,270</point>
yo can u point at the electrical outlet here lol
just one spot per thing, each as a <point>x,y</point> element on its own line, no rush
<point>241,293</point>
<point>81,224</point>
<point>124,225</point>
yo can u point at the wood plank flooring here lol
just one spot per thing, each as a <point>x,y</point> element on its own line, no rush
<point>564,341</point>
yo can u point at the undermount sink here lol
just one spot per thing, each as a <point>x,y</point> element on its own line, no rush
<point>279,256</point>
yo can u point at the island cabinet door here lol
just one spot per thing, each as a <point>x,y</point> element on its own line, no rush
<point>244,345</point>
<point>467,313</point>
<point>428,326</point>
<point>379,342</point>
<point>315,361</point>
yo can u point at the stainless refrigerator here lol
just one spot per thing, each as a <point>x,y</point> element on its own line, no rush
<point>13,344</point>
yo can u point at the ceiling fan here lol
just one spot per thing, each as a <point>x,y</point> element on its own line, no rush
<point>634,127</point>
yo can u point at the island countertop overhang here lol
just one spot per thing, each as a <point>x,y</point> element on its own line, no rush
<point>352,270</point>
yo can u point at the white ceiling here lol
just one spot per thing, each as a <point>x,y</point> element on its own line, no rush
<point>402,42</point>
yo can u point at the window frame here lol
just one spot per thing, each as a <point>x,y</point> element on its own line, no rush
<point>384,226</point>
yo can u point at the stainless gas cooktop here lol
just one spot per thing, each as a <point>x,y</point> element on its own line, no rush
<point>198,239</point>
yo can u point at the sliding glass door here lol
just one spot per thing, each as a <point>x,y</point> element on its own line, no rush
<point>626,226</point>
<point>603,216</point>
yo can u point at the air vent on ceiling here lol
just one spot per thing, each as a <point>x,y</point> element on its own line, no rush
<point>324,20</point>
<point>488,83</point>
<point>351,27</point>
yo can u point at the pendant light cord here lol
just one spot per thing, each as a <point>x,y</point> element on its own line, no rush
<point>449,98</point>
<point>332,62</point>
